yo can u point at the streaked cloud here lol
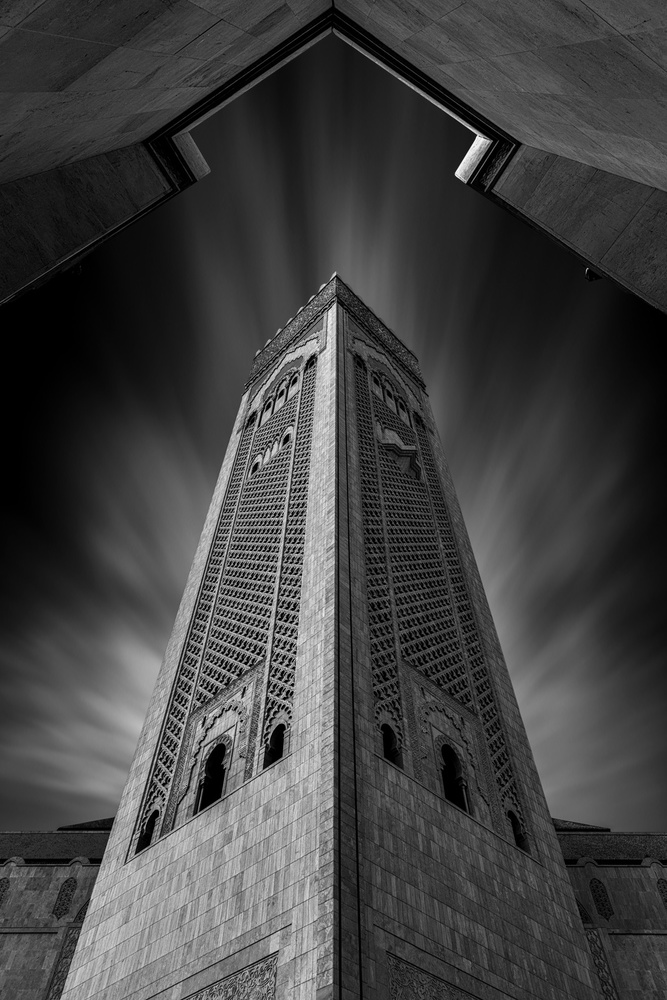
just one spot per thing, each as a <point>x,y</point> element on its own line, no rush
<point>547,391</point>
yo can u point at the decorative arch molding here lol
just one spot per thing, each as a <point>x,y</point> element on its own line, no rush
<point>283,718</point>
<point>385,718</point>
<point>378,361</point>
<point>63,903</point>
<point>461,729</point>
<point>601,900</point>
<point>293,363</point>
<point>225,740</point>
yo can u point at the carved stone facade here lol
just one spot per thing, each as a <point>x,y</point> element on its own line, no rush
<point>257,982</point>
<point>407,982</point>
<point>601,964</point>
<point>244,628</point>
<point>333,756</point>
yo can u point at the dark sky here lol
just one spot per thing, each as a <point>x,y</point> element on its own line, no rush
<point>121,385</point>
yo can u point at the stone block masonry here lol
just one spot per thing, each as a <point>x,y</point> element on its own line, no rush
<point>333,795</point>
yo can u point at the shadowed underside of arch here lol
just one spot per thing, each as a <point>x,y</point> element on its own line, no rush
<point>566,101</point>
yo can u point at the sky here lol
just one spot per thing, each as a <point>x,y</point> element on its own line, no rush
<point>121,382</point>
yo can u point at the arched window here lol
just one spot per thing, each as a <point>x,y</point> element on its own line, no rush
<point>210,789</point>
<point>256,465</point>
<point>266,412</point>
<point>377,385</point>
<point>293,386</point>
<point>65,897</point>
<point>389,398</point>
<point>276,746</point>
<point>287,438</point>
<point>274,448</point>
<point>146,835</point>
<point>280,397</point>
<point>267,454</point>
<point>520,838</point>
<point>402,412</point>
<point>601,898</point>
<point>453,781</point>
<point>390,747</point>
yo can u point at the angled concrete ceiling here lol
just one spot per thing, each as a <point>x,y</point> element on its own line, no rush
<point>576,81</point>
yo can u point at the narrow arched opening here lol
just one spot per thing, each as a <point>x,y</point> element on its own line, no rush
<point>146,835</point>
<point>520,838</point>
<point>276,746</point>
<point>280,397</point>
<point>266,412</point>
<point>210,788</point>
<point>293,386</point>
<point>453,781</point>
<point>390,747</point>
<point>286,438</point>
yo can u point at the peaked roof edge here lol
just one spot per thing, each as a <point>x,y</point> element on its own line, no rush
<point>569,826</point>
<point>336,288</point>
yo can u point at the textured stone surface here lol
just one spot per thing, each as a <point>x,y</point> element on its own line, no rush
<point>50,217</point>
<point>615,224</point>
<point>59,845</point>
<point>580,81</point>
<point>585,81</point>
<point>41,911</point>
<point>333,857</point>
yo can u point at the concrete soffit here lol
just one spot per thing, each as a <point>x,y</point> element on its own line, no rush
<point>168,161</point>
<point>178,162</point>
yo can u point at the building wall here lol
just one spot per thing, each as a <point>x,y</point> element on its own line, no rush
<point>621,887</point>
<point>334,871</point>
<point>45,885</point>
<point>235,895</point>
<point>437,887</point>
<point>617,225</point>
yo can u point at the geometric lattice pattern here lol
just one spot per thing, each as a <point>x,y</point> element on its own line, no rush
<point>483,691</point>
<point>602,969</point>
<point>280,688</point>
<point>65,896</point>
<point>411,553</point>
<point>601,898</point>
<point>427,623</point>
<point>239,626</point>
<point>181,699</point>
<point>257,539</point>
<point>384,668</point>
<point>4,889</point>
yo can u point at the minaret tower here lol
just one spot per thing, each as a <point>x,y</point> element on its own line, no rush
<point>333,796</point>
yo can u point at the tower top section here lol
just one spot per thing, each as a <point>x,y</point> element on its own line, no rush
<point>335,288</point>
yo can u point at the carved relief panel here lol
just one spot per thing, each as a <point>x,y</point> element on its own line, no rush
<point>223,723</point>
<point>451,748</point>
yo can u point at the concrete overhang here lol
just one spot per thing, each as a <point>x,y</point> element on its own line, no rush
<point>568,99</point>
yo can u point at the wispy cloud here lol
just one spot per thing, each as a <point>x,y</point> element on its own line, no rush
<point>547,391</point>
